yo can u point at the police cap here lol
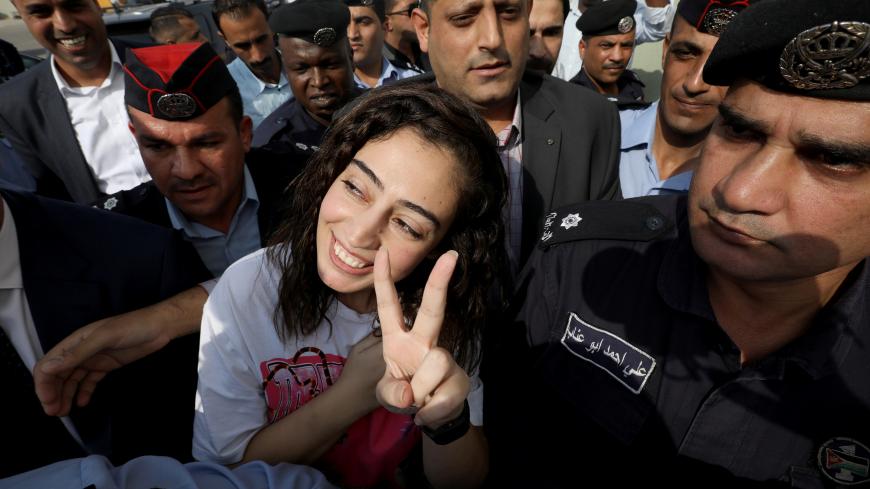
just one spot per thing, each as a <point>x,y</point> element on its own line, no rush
<point>711,16</point>
<point>376,5</point>
<point>320,22</point>
<point>815,48</point>
<point>175,81</point>
<point>607,18</point>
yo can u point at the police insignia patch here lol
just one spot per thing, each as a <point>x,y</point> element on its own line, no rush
<point>571,221</point>
<point>844,461</point>
<point>624,362</point>
<point>716,20</point>
<point>626,24</point>
<point>835,55</point>
<point>324,37</point>
<point>110,203</point>
<point>176,105</point>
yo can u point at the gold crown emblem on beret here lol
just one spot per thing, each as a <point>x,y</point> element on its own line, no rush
<point>625,25</point>
<point>176,105</point>
<point>716,20</point>
<point>835,55</point>
<point>324,37</point>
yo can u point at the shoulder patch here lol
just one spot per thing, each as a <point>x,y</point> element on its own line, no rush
<point>124,200</point>
<point>623,220</point>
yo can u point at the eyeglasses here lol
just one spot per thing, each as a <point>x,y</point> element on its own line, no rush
<point>407,11</point>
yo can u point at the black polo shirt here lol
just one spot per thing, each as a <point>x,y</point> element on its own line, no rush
<point>614,369</point>
<point>630,89</point>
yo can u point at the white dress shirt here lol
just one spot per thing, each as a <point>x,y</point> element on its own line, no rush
<point>99,118</point>
<point>15,317</point>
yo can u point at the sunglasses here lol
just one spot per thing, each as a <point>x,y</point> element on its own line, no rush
<point>407,11</point>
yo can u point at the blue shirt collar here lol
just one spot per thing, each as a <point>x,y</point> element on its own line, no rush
<point>642,129</point>
<point>193,229</point>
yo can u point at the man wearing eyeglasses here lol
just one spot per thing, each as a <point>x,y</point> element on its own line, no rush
<point>400,41</point>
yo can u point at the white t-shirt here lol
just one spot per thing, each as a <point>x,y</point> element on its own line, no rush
<point>248,377</point>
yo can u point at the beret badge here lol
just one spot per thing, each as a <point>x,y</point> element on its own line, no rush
<point>176,105</point>
<point>626,24</point>
<point>829,56</point>
<point>716,20</point>
<point>324,37</point>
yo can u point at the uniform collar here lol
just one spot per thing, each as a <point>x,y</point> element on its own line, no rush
<point>642,129</point>
<point>388,72</point>
<point>193,229</point>
<point>682,282</point>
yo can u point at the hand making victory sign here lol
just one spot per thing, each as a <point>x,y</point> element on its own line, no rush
<point>419,374</point>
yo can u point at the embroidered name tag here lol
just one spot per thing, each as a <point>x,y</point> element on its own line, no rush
<point>622,360</point>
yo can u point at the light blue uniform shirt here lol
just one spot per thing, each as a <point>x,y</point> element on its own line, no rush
<point>389,74</point>
<point>638,170</point>
<point>153,471</point>
<point>216,249</point>
<point>259,99</point>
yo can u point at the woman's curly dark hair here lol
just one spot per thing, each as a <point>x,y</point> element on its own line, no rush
<point>477,231</point>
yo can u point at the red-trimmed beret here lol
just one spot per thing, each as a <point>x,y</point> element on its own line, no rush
<point>175,82</point>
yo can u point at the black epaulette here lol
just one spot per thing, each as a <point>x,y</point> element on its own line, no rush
<point>614,220</point>
<point>123,201</point>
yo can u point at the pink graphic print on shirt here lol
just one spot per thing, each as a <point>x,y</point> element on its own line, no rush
<point>373,447</point>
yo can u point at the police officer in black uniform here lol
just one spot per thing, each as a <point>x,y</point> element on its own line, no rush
<point>318,60</point>
<point>608,41</point>
<point>723,338</point>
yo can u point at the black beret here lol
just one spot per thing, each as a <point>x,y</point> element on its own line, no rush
<point>816,48</point>
<point>175,81</point>
<point>321,22</point>
<point>711,16</point>
<point>376,5</point>
<point>607,18</point>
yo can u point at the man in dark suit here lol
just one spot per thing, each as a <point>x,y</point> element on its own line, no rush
<point>559,143</point>
<point>63,266</point>
<point>65,117</point>
<point>201,184</point>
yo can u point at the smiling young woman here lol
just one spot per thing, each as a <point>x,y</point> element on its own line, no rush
<point>318,349</point>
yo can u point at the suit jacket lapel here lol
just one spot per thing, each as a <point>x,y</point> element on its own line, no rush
<point>68,161</point>
<point>542,137</point>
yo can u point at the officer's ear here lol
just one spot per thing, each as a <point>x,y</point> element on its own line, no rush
<point>582,48</point>
<point>420,19</point>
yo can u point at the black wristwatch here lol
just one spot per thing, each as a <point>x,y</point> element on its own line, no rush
<point>452,430</point>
